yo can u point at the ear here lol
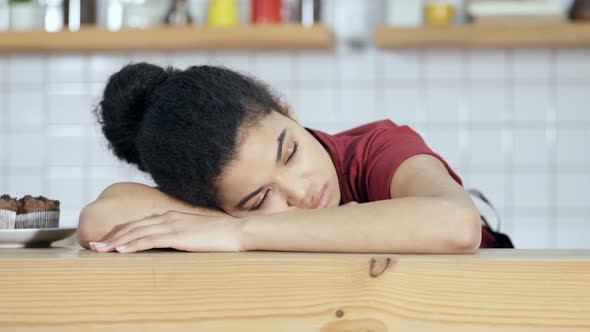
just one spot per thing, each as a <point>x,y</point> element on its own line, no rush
<point>287,109</point>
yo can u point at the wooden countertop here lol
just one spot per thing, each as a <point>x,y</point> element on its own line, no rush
<point>61,289</point>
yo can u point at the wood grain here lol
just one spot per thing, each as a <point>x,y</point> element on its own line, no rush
<point>528,35</point>
<point>91,39</point>
<point>494,290</point>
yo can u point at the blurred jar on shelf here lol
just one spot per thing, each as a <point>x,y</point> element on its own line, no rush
<point>4,16</point>
<point>580,10</point>
<point>439,13</point>
<point>403,13</point>
<point>310,12</point>
<point>305,12</point>
<point>109,14</point>
<point>266,11</point>
<point>290,12</point>
<point>351,21</point>
<point>53,15</point>
<point>178,13</point>
<point>24,15</point>
<point>223,13</point>
<point>143,14</point>
<point>77,13</point>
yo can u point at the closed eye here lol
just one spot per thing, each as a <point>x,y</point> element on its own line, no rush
<point>259,205</point>
<point>295,146</point>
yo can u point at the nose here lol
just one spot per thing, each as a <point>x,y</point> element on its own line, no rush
<point>295,191</point>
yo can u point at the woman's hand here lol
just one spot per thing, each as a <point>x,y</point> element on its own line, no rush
<point>182,231</point>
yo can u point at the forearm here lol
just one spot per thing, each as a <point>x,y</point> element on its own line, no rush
<point>125,202</point>
<point>405,225</point>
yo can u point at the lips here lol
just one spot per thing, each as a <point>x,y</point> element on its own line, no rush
<point>321,199</point>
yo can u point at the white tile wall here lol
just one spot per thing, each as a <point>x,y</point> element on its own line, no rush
<point>492,184</point>
<point>573,65</point>
<point>403,104</point>
<point>486,147</point>
<point>531,148</point>
<point>569,142</point>
<point>358,68</point>
<point>531,190</point>
<point>446,143</point>
<point>400,65</point>
<point>531,101</point>
<point>4,110</point>
<point>25,108</point>
<point>444,103</point>
<point>487,64</point>
<point>572,189</point>
<point>573,232</point>
<point>69,68</point>
<point>514,124</point>
<point>316,68</point>
<point>358,105</point>
<point>101,66</point>
<point>488,104</point>
<point>531,65</point>
<point>20,185</point>
<point>26,149</point>
<point>26,68</point>
<point>3,69</point>
<point>317,105</point>
<point>573,101</point>
<point>531,232</point>
<point>444,65</point>
<point>273,67</point>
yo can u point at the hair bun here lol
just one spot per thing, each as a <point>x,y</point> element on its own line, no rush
<point>125,101</point>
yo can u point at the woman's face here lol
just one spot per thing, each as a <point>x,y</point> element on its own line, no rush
<point>280,166</point>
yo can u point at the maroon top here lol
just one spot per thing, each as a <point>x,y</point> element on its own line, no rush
<point>367,157</point>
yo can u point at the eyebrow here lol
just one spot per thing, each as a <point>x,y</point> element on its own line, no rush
<point>280,141</point>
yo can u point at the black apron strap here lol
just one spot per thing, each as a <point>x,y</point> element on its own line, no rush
<point>502,240</point>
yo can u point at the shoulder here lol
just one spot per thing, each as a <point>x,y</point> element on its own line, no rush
<point>382,131</point>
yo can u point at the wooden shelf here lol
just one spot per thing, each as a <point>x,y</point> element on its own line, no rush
<point>91,39</point>
<point>486,36</point>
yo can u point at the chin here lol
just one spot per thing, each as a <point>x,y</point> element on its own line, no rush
<point>334,199</point>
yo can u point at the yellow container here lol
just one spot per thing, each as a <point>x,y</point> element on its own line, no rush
<point>439,13</point>
<point>223,13</point>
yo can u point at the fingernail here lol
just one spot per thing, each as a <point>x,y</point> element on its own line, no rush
<point>121,248</point>
<point>99,244</point>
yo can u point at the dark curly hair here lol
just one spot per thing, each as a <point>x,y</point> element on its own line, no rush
<point>181,126</point>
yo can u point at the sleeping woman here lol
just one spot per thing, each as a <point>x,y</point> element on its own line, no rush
<point>235,171</point>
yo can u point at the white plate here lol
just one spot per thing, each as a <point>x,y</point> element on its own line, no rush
<point>32,237</point>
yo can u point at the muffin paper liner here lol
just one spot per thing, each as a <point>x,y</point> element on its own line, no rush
<point>7,219</point>
<point>42,219</point>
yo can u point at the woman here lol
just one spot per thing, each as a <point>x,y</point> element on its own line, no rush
<point>235,171</point>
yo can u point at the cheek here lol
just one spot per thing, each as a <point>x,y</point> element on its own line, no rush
<point>274,204</point>
<point>237,214</point>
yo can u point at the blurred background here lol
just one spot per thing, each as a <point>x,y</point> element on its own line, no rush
<point>501,89</point>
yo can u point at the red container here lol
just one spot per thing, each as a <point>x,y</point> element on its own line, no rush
<point>266,11</point>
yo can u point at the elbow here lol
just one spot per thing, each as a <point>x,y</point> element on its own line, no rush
<point>467,238</point>
<point>85,232</point>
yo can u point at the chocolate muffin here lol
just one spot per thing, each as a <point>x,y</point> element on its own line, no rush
<point>8,210</point>
<point>37,212</point>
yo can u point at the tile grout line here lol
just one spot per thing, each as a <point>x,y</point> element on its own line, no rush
<point>4,126</point>
<point>509,160</point>
<point>45,123</point>
<point>552,136</point>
